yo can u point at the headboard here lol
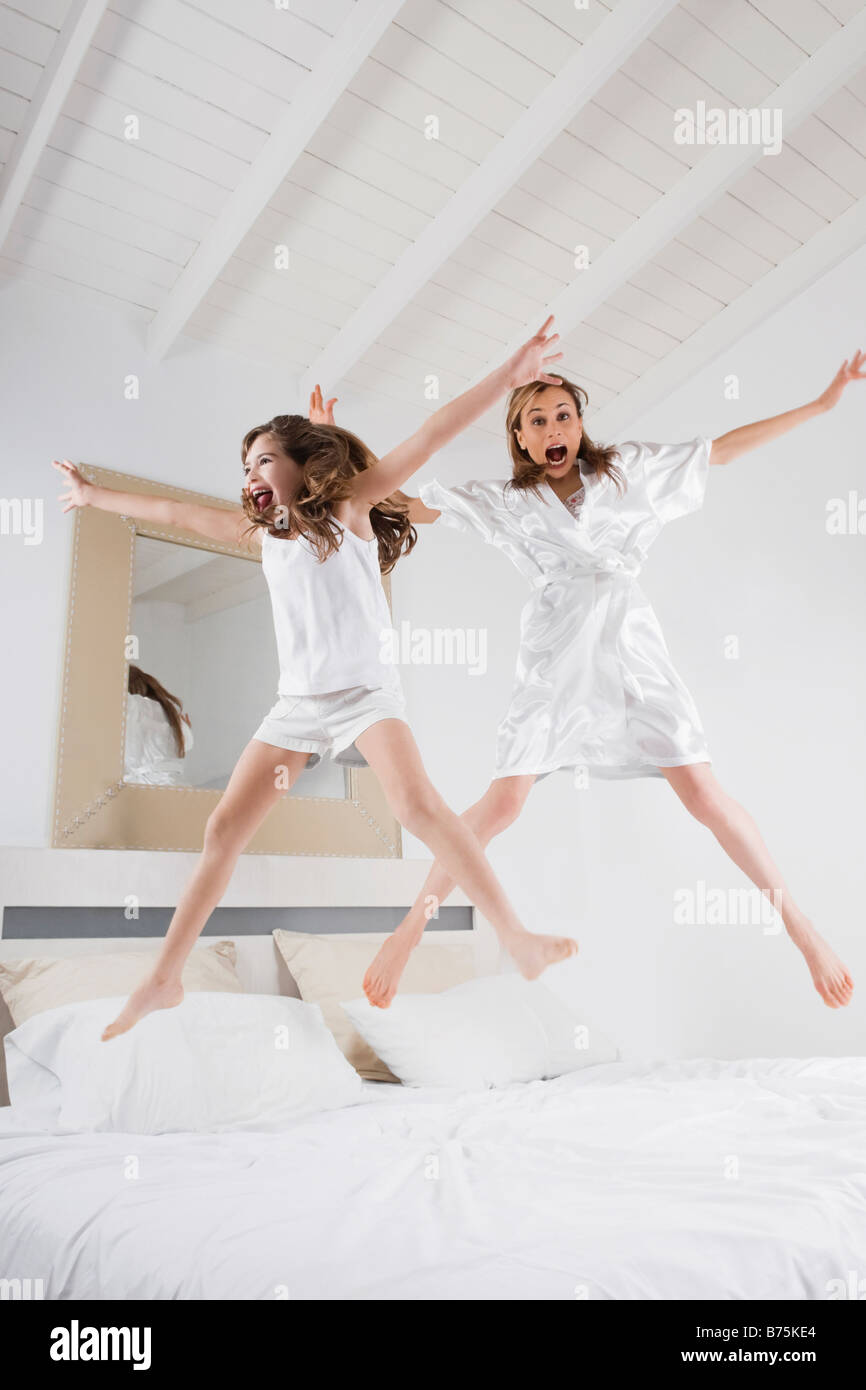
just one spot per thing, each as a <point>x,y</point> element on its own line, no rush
<point>58,902</point>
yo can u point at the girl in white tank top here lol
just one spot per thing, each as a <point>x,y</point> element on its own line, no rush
<point>327,513</point>
<point>341,597</point>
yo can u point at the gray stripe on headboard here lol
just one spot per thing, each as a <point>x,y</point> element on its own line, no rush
<point>37,923</point>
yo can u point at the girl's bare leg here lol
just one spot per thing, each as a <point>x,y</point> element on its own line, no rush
<point>498,808</point>
<point>253,788</point>
<point>393,755</point>
<point>740,838</point>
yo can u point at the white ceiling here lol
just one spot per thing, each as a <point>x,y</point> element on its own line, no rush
<point>200,581</point>
<point>261,127</point>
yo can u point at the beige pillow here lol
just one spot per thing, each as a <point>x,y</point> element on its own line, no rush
<point>6,1026</point>
<point>327,969</point>
<point>45,982</point>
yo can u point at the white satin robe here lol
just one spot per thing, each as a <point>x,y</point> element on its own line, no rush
<point>595,687</point>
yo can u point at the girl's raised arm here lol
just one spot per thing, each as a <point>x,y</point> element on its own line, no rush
<point>321,412</point>
<point>529,363</point>
<point>216,523</point>
<point>729,446</point>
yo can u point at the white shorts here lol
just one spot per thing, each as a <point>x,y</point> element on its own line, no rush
<point>327,725</point>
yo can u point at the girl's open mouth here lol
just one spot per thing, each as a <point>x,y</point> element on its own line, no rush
<point>262,498</point>
<point>557,453</point>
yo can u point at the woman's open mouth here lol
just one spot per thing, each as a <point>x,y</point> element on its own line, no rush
<point>557,453</point>
<point>262,498</point>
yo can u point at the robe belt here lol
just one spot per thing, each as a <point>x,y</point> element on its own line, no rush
<point>573,576</point>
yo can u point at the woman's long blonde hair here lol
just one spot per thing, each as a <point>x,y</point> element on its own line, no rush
<point>599,458</point>
<point>331,458</point>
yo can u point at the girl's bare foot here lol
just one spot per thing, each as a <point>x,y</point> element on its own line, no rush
<point>532,954</point>
<point>829,975</point>
<point>151,995</point>
<point>383,974</point>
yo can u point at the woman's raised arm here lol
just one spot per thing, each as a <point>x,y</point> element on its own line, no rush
<point>729,446</point>
<point>419,514</point>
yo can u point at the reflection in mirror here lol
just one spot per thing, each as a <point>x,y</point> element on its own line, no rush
<point>206,669</point>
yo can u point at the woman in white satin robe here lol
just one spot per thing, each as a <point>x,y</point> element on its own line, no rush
<point>595,687</point>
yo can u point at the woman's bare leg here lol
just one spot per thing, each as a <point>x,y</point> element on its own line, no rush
<point>253,788</point>
<point>740,838</point>
<point>498,808</point>
<point>393,755</point>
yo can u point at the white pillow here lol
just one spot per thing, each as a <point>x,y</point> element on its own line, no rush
<point>217,1062</point>
<point>486,1032</point>
<point>329,968</point>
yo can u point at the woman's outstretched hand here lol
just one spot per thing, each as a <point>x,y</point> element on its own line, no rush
<point>853,370</point>
<point>79,490</point>
<point>532,361</point>
<point>321,412</point>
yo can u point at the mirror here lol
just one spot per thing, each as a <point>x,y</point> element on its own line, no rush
<point>205,671</point>
<point>164,622</point>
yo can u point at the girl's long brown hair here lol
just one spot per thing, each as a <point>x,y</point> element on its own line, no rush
<point>599,458</point>
<point>331,458</point>
<point>140,683</point>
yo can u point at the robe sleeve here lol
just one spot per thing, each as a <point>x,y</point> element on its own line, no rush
<point>475,506</point>
<point>672,476</point>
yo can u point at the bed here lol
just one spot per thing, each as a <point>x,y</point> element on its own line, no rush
<point>686,1180</point>
<point>670,1180</point>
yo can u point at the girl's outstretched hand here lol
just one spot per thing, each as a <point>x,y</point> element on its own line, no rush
<point>853,370</point>
<point>531,362</point>
<point>321,412</point>
<point>79,490</point>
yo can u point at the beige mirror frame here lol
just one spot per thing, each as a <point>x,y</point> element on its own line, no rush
<point>93,807</point>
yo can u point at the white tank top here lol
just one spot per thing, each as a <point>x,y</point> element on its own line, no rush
<point>330,616</point>
<point>151,748</point>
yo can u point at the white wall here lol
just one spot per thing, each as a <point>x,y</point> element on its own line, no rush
<point>604,863</point>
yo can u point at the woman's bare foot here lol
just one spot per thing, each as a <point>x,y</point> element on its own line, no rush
<point>151,995</point>
<point>532,954</point>
<point>829,975</point>
<point>383,974</point>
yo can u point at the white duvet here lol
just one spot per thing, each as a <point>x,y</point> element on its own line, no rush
<point>687,1180</point>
